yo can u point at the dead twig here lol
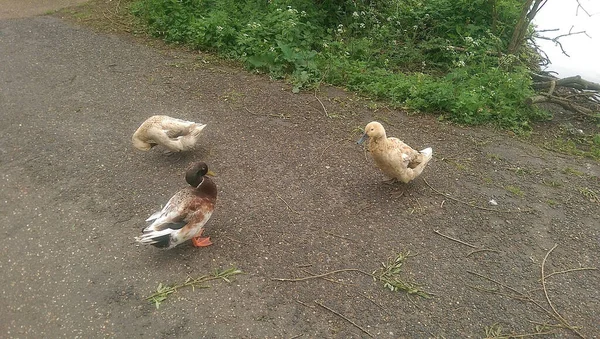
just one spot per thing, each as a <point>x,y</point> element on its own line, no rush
<point>345,318</point>
<point>557,315</point>
<point>288,205</point>
<point>323,275</point>
<point>477,249</point>
<point>572,270</point>
<point>303,303</point>
<point>482,250</point>
<point>325,278</point>
<point>454,239</point>
<point>324,109</point>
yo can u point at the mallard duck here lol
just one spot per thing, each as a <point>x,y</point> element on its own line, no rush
<point>396,159</point>
<point>175,134</point>
<point>185,214</point>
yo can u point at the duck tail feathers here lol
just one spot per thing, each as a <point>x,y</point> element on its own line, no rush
<point>154,216</point>
<point>161,239</point>
<point>428,152</point>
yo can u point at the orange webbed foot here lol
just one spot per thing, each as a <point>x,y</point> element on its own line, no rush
<point>199,241</point>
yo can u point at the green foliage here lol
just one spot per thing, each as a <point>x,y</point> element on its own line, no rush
<point>390,275</point>
<point>163,291</point>
<point>438,56</point>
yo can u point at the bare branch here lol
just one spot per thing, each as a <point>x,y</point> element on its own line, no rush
<point>582,8</point>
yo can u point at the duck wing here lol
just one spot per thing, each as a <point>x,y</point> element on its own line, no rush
<point>404,151</point>
<point>173,216</point>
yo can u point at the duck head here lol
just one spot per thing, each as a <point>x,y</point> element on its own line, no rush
<point>195,173</point>
<point>141,145</point>
<point>373,130</point>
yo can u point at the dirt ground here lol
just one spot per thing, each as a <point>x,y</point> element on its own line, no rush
<point>297,197</point>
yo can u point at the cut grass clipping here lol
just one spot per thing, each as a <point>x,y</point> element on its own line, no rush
<point>163,291</point>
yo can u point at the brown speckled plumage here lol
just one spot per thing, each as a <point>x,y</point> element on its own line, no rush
<point>185,214</point>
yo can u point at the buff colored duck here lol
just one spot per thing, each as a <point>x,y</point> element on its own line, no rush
<point>186,213</point>
<point>174,134</point>
<point>396,159</point>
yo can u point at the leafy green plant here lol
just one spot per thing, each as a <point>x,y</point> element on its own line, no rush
<point>163,291</point>
<point>440,56</point>
<point>390,275</point>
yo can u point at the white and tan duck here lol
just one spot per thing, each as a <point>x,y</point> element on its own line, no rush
<point>186,213</point>
<point>174,134</point>
<point>396,159</point>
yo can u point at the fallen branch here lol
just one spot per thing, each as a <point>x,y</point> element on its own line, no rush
<point>322,275</point>
<point>572,270</point>
<point>288,205</point>
<point>324,109</point>
<point>345,318</point>
<point>565,103</point>
<point>454,239</point>
<point>557,315</point>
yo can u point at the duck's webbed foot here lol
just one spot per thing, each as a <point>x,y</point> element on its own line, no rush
<point>199,241</point>
<point>390,181</point>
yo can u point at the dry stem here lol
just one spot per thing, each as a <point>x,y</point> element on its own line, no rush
<point>345,318</point>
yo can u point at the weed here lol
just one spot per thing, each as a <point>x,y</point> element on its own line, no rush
<point>163,291</point>
<point>551,183</point>
<point>514,190</point>
<point>389,275</point>
<point>440,56</point>
<point>494,156</point>
<point>569,170</point>
<point>588,193</point>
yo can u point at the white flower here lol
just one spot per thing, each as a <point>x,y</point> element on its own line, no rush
<point>355,14</point>
<point>303,13</point>
<point>325,45</point>
<point>362,25</point>
<point>468,40</point>
<point>219,28</point>
<point>272,49</point>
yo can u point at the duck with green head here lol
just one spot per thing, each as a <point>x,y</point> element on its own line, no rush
<point>186,213</point>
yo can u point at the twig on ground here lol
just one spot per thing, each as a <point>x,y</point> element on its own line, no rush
<point>303,303</point>
<point>324,109</point>
<point>557,315</point>
<point>325,278</point>
<point>482,250</point>
<point>345,318</point>
<point>454,239</point>
<point>288,205</point>
<point>327,147</point>
<point>477,249</point>
<point>572,270</point>
<point>323,275</point>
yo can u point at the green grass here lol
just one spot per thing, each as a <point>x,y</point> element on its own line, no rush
<point>444,57</point>
<point>569,170</point>
<point>514,190</point>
